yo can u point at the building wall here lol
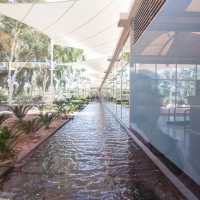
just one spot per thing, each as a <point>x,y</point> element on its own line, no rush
<point>116,88</point>
<point>165,82</point>
<point>162,92</point>
<point>163,111</point>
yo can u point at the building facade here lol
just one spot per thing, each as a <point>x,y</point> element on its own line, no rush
<point>154,85</point>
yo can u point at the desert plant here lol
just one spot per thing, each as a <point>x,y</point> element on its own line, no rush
<point>37,99</point>
<point>78,103</point>
<point>46,119</point>
<point>20,111</point>
<point>72,108</point>
<point>23,99</point>
<point>6,141</point>
<point>60,107</point>
<point>28,126</point>
<point>3,98</point>
<point>3,117</point>
<point>41,107</point>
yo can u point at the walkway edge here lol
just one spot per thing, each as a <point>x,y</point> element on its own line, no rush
<point>186,192</point>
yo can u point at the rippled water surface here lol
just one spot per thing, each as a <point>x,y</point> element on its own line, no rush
<point>89,158</point>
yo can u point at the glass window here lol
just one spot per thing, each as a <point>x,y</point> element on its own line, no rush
<point>125,94</point>
<point>118,90</point>
<point>167,92</point>
<point>166,71</point>
<point>185,89</point>
<point>149,69</point>
<point>186,72</point>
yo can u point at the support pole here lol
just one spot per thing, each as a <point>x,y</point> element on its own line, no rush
<point>51,70</point>
<point>9,84</point>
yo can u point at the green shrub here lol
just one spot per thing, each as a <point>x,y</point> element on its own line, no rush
<point>46,119</point>
<point>60,107</point>
<point>23,99</point>
<point>28,126</point>
<point>37,99</point>
<point>41,107</point>
<point>77,102</point>
<point>3,117</point>
<point>72,108</point>
<point>20,111</point>
<point>5,141</point>
<point>3,96</point>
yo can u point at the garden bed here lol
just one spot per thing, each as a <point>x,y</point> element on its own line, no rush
<point>26,144</point>
<point>26,126</point>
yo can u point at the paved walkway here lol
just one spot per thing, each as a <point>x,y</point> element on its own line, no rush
<point>90,158</point>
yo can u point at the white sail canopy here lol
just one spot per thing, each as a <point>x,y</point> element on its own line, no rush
<point>87,24</point>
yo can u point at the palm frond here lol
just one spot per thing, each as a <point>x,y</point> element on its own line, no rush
<point>28,126</point>
<point>20,111</point>
<point>46,119</point>
<point>3,117</point>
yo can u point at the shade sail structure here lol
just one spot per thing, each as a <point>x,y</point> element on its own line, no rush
<point>87,24</point>
<point>173,37</point>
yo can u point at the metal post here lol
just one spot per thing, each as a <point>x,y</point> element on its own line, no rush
<point>9,84</point>
<point>121,95</point>
<point>176,77</point>
<point>51,70</point>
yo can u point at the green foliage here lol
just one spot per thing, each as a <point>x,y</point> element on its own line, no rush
<point>31,44</point>
<point>41,107</point>
<point>43,78</point>
<point>74,105</point>
<point>3,97</point>
<point>28,126</point>
<point>61,106</point>
<point>20,111</point>
<point>19,42</point>
<point>46,119</point>
<point>64,55</point>
<point>23,77</point>
<point>72,108</point>
<point>70,105</point>
<point>5,139</point>
<point>122,102</point>
<point>37,99</point>
<point>23,99</point>
<point>125,56</point>
<point>3,117</point>
<point>78,102</point>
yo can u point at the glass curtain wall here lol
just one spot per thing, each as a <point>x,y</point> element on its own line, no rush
<point>166,111</point>
<point>115,92</point>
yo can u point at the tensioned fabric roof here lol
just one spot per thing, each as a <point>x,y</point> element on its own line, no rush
<point>87,24</point>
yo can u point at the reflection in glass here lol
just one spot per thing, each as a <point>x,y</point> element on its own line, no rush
<point>118,81</point>
<point>166,110</point>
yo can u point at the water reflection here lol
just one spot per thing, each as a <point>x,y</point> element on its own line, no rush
<point>91,158</point>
